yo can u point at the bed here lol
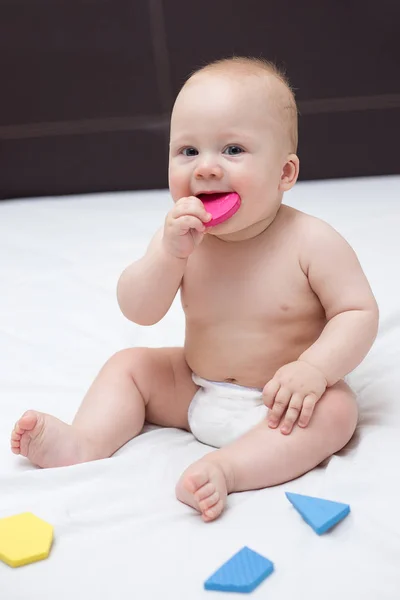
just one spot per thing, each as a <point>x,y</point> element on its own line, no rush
<point>119,531</point>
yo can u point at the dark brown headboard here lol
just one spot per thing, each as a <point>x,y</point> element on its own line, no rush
<point>87,85</point>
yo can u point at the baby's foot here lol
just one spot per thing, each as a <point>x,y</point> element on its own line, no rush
<point>47,441</point>
<point>204,487</point>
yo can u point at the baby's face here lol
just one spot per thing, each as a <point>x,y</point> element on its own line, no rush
<point>226,136</point>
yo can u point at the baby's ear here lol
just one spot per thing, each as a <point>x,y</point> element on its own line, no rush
<point>290,173</point>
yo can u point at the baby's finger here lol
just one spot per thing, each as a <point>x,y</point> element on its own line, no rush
<point>187,222</point>
<point>269,392</point>
<point>308,408</point>
<point>191,206</point>
<point>292,413</point>
<point>197,236</point>
<point>282,399</point>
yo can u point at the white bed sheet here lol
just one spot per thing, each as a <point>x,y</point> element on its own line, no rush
<point>118,529</point>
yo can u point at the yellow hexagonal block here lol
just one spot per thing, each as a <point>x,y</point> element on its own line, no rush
<point>24,539</point>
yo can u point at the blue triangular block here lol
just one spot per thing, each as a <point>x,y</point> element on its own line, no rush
<point>320,514</point>
<point>241,573</point>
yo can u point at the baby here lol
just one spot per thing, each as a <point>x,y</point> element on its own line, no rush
<point>277,307</point>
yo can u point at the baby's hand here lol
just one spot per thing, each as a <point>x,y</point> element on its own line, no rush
<point>295,390</point>
<point>184,226</point>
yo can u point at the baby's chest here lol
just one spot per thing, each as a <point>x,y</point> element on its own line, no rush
<point>260,287</point>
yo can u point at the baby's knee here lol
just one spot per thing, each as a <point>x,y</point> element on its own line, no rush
<point>125,360</point>
<point>343,410</point>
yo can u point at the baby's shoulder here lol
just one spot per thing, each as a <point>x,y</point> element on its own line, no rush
<point>312,230</point>
<point>318,242</point>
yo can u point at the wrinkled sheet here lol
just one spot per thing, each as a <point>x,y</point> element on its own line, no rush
<point>119,531</point>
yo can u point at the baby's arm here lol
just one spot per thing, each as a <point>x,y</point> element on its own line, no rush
<point>147,288</point>
<point>336,277</point>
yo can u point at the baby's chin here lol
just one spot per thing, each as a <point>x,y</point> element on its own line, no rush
<point>227,227</point>
<point>228,231</point>
<point>235,230</point>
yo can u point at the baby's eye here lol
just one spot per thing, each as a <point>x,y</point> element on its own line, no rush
<point>189,152</point>
<point>233,150</point>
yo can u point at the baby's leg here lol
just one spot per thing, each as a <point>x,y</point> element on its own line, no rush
<point>265,457</point>
<point>134,384</point>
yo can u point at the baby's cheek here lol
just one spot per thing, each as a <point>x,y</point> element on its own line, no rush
<point>177,185</point>
<point>245,180</point>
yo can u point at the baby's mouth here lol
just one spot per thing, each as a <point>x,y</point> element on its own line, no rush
<point>222,206</point>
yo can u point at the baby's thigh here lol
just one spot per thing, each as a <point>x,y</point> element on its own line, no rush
<point>165,382</point>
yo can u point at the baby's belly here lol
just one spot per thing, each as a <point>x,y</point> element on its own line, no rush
<point>243,354</point>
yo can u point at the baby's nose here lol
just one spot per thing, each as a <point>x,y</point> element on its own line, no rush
<point>208,170</point>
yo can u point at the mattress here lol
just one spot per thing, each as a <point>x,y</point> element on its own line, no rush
<point>118,529</point>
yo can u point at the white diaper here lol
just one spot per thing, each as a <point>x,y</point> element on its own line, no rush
<point>221,412</point>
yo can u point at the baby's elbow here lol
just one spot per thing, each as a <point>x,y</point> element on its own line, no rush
<point>143,322</point>
<point>140,318</point>
<point>143,319</point>
<point>137,315</point>
<point>123,304</point>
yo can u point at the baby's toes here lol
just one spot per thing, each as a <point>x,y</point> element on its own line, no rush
<point>17,430</point>
<point>15,435</point>
<point>195,481</point>
<point>15,441</point>
<point>207,503</point>
<point>213,513</point>
<point>205,491</point>
<point>15,446</point>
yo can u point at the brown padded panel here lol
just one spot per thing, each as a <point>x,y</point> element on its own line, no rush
<point>87,85</point>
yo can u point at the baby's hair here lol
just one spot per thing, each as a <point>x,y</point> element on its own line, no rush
<point>252,66</point>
